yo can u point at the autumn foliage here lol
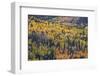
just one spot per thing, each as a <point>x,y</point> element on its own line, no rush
<point>49,40</point>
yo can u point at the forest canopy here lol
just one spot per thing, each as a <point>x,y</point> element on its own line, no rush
<point>57,37</point>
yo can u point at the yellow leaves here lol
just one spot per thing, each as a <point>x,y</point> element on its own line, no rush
<point>52,30</point>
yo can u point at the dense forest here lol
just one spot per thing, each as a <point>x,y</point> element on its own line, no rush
<point>57,37</point>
